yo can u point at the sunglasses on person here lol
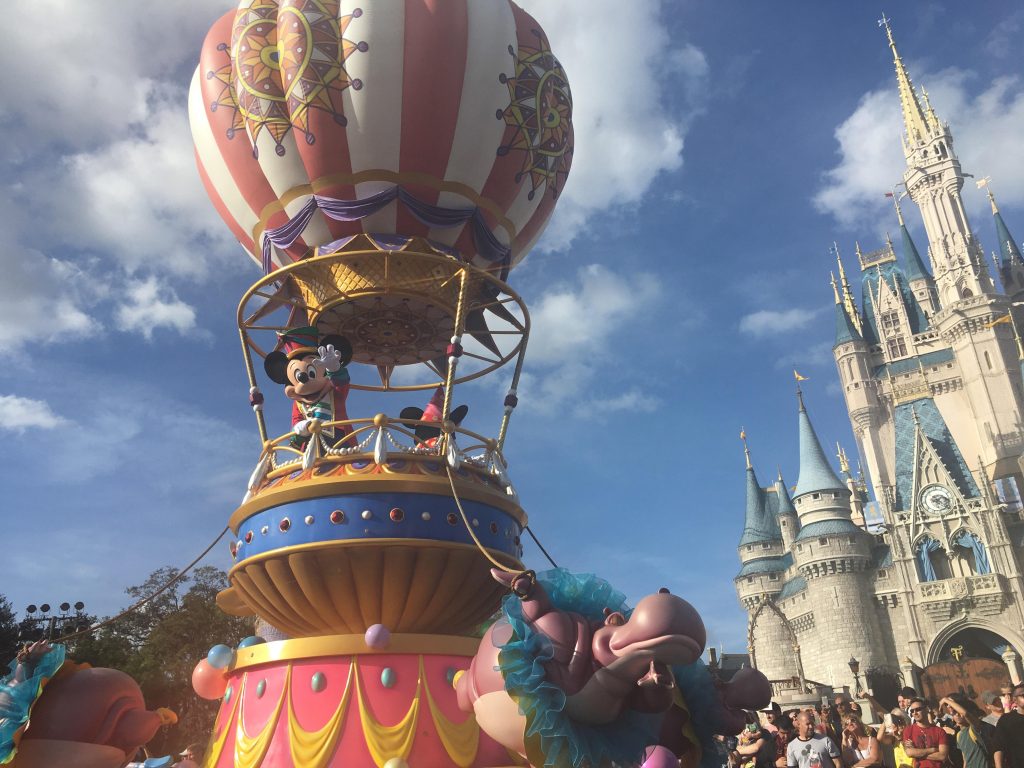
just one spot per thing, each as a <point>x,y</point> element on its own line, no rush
<point>912,710</point>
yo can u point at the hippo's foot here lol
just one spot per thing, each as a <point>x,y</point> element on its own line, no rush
<point>658,676</point>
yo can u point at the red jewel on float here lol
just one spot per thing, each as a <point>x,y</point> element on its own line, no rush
<point>256,398</point>
<point>337,516</point>
<point>494,527</point>
<point>397,515</point>
<point>452,518</point>
<point>284,525</point>
<point>453,350</point>
<point>511,401</point>
<point>248,537</point>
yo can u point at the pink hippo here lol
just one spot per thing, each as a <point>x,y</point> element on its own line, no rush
<point>97,716</point>
<point>606,668</point>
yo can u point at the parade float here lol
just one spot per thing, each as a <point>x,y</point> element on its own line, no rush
<point>386,165</point>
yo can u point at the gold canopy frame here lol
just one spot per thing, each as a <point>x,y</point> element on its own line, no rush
<point>398,307</point>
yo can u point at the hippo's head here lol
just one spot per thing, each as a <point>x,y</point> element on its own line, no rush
<point>95,706</point>
<point>663,630</point>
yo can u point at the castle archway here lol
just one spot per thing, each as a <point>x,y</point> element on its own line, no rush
<point>969,657</point>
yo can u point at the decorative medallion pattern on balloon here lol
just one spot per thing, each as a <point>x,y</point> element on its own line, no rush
<point>284,61</point>
<point>540,116</point>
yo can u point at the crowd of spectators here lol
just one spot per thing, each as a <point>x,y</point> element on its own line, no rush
<point>953,732</point>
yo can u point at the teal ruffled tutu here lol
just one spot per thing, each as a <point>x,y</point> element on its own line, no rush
<point>17,698</point>
<point>521,661</point>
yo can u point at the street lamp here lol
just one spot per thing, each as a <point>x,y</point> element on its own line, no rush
<point>855,669</point>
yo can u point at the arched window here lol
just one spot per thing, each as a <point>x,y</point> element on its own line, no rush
<point>932,561</point>
<point>972,552</point>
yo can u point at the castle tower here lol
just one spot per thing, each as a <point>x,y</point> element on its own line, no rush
<point>934,179</point>
<point>833,555</point>
<point>764,562</point>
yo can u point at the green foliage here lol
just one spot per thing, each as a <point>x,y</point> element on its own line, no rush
<point>159,644</point>
<point>8,633</point>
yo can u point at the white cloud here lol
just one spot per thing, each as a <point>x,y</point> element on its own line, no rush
<point>631,401</point>
<point>769,321</point>
<point>150,306</point>
<point>139,199</point>
<point>84,100</point>
<point>42,299</point>
<point>985,120</point>
<point>20,413</point>
<point>577,330</point>
<point>626,132</point>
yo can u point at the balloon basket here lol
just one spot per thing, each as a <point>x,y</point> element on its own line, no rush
<point>332,701</point>
<point>361,538</point>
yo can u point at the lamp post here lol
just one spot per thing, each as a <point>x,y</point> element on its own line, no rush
<point>855,669</point>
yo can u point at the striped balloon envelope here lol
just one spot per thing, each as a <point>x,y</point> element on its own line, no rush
<point>315,120</point>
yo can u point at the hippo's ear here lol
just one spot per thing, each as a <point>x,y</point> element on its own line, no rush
<point>614,619</point>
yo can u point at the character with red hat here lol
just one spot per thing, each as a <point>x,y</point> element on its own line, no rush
<point>312,370</point>
<point>427,434</point>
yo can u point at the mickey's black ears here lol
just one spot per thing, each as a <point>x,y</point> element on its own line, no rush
<point>412,413</point>
<point>458,414</point>
<point>341,345</point>
<point>276,366</point>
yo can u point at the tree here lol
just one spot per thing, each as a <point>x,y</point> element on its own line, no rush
<point>8,633</point>
<point>188,625</point>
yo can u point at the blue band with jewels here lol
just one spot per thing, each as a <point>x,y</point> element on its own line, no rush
<point>364,517</point>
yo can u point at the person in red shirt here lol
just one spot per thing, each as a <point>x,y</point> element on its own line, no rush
<point>925,742</point>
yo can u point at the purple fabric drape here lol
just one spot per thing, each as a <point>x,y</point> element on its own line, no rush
<point>488,246</point>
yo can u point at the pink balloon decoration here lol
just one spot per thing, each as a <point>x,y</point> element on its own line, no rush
<point>209,682</point>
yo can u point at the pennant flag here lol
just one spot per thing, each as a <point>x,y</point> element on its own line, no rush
<point>998,320</point>
<point>983,182</point>
<point>798,377</point>
<point>889,194</point>
<point>743,434</point>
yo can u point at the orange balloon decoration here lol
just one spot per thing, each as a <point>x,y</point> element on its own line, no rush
<point>209,682</point>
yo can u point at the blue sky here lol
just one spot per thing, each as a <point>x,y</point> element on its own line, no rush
<point>721,148</point>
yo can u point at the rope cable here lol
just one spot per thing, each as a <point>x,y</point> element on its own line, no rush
<point>476,540</point>
<point>149,598</point>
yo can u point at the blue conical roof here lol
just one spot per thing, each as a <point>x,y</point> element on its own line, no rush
<point>759,524</point>
<point>785,503</point>
<point>845,329</point>
<point>1008,250</point>
<point>816,474</point>
<point>914,266</point>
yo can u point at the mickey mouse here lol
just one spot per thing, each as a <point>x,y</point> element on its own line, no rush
<point>427,434</point>
<point>312,370</point>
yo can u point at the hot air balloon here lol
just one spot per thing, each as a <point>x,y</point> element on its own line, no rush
<point>386,164</point>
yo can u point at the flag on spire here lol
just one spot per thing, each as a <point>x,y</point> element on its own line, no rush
<point>798,377</point>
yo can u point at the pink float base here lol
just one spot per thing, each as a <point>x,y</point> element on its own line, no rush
<point>354,719</point>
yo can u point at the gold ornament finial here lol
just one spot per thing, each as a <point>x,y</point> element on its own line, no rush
<point>984,184</point>
<point>746,448</point>
<point>844,465</point>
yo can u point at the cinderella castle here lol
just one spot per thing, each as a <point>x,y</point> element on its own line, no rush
<point>923,584</point>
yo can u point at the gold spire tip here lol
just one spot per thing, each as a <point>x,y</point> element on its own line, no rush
<point>746,448</point>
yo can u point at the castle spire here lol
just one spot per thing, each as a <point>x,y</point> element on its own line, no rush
<point>1008,249</point>
<point>759,525</point>
<point>816,474</point>
<point>852,315</point>
<point>914,117</point>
